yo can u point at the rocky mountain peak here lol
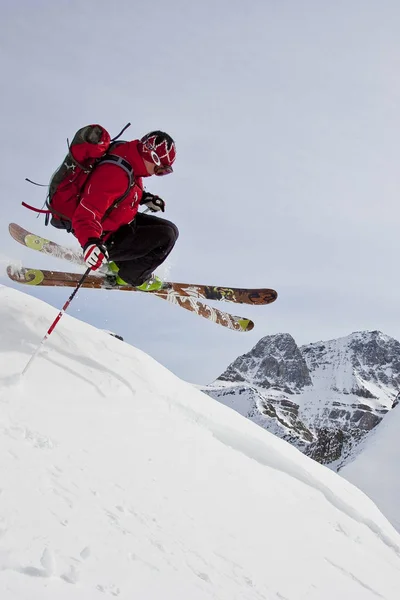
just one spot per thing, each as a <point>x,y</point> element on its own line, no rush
<point>376,350</point>
<point>275,361</point>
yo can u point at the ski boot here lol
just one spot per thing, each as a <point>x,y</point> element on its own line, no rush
<point>112,274</point>
<point>152,284</point>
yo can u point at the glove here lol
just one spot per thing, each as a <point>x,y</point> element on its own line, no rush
<point>153,202</point>
<point>95,254</point>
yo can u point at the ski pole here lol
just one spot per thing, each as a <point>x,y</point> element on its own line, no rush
<point>56,320</point>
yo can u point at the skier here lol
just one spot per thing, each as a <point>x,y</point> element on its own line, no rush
<point>133,244</point>
<point>95,194</point>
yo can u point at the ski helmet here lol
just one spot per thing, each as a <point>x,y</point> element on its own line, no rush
<point>159,148</point>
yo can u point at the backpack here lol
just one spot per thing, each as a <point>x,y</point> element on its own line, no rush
<point>90,147</point>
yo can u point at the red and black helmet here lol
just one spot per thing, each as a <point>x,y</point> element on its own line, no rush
<point>159,148</point>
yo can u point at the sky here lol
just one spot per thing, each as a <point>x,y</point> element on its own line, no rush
<point>126,481</point>
<point>285,116</point>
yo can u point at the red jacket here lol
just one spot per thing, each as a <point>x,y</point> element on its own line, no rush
<point>108,183</point>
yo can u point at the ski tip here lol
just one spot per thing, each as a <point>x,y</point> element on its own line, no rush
<point>270,296</point>
<point>13,272</point>
<point>245,324</point>
<point>260,296</point>
<point>15,230</point>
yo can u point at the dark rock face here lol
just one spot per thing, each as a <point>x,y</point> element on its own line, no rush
<point>275,361</point>
<point>378,353</point>
<point>322,397</point>
<point>328,447</point>
<point>344,416</point>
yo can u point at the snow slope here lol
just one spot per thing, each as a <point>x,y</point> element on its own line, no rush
<point>117,479</point>
<point>375,469</point>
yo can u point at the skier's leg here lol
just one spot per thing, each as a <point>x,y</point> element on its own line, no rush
<point>139,248</point>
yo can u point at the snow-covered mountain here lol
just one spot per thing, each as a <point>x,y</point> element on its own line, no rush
<point>323,397</point>
<point>117,479</point>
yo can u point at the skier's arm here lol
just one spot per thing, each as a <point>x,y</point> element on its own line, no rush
<point>107,184</point>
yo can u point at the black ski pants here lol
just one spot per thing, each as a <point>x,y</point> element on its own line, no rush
<point>140,247</point>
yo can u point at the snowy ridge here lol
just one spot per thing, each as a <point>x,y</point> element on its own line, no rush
<point>363,363</point>
<point>119,479</point>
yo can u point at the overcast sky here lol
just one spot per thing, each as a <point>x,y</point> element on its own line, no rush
<point>286,119</point>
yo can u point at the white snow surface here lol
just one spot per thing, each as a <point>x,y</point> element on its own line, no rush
<point>375,468</point>
<point>117,479</point>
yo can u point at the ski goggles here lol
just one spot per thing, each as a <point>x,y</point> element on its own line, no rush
<point>161,170</point>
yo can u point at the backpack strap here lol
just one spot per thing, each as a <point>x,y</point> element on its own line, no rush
<point>121,162</point>
<point>127,167</point>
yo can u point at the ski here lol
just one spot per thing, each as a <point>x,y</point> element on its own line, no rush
<point>39,277</point>
<point>36,242</point>
<point>254,296</point>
